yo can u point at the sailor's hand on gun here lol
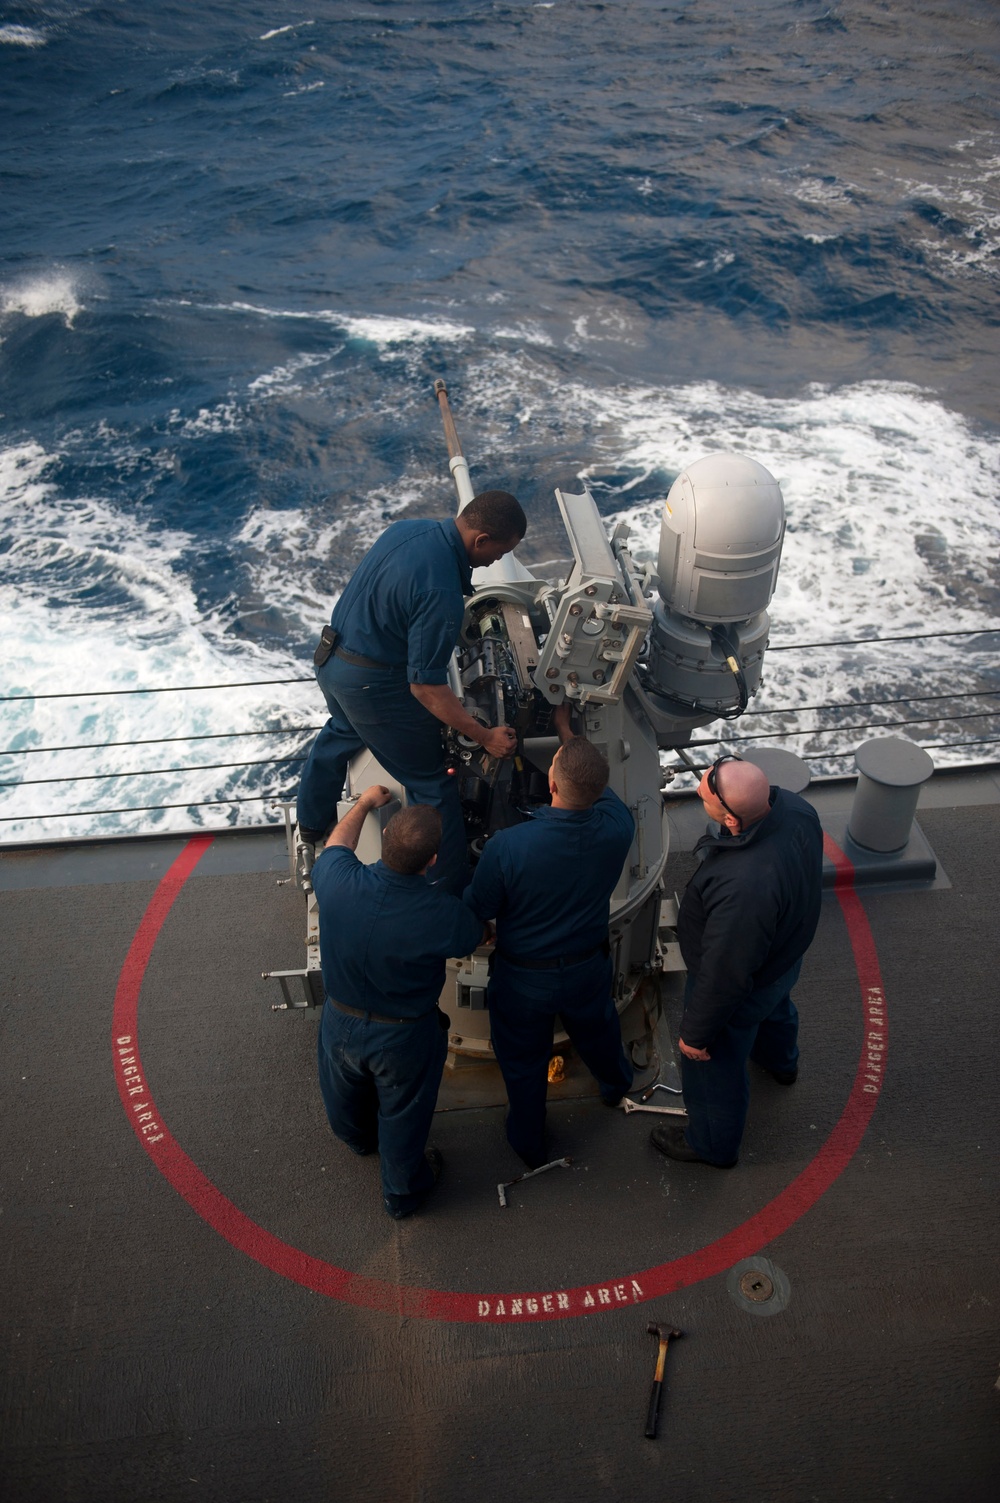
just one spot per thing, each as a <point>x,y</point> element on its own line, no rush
<point>375,796</point>
<point>500,741</point>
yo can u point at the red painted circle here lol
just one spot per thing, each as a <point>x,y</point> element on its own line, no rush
<point>439,1304</point>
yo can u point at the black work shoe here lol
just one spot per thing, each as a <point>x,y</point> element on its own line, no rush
<point>670,1139</point>
<point>435,1159</point>
<point>784,1077</point>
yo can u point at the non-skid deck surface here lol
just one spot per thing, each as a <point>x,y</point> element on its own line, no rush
<point>149,1358</point>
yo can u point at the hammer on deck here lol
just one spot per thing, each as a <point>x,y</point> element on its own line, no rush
<point>665,1336</point>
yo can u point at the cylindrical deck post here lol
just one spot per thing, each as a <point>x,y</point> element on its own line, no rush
<point>890,772</point>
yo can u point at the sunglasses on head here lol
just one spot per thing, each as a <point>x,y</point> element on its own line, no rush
<point>712,781</point>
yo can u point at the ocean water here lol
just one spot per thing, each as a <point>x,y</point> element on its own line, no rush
<point>239,243</point>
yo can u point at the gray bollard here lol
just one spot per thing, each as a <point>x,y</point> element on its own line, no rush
<point>890,772</point>
<point>781,767</point>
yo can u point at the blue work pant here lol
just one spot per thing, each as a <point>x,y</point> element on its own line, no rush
<point>380,1084</point>
<point>717,1091</point>
<point>523,1005</point>
<point>373,707</point>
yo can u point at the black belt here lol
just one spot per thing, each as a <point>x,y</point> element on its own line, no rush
<point>376,1017</point>
<point>553,963</point>
<point>359,660</point>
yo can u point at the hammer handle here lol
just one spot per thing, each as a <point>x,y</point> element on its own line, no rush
<point>652,1418</point>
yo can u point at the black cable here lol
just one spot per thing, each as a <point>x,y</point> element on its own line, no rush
<point>928,636</point>
<point>208,803</point>
<point>266,682</point>
<point>872,704</point>
<point>149,772</point>
<point>288,730</point>
<point>835,730</point>
<point>249,683</point>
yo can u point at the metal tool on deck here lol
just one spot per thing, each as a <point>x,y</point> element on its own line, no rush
<point>628,1105</point>
<point>653,1414</point>
<point>529,1174</point>
<point>659,1086</point>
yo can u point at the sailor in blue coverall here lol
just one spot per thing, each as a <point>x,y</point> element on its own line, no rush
<point>385,935</point>
<point>747,917</point>
<point>382,665</point>
<point>548,884</point>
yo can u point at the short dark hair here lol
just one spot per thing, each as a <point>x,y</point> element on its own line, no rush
<point>411,838</point>
<point>583,771</point>
<point>498,514</point>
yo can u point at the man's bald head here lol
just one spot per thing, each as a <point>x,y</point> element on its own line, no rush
<point>742,794</point>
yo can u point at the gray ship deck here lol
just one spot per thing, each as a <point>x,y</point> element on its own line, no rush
<point>204,1300</point>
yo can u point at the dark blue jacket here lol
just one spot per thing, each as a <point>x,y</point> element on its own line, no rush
<point>384,938</point>
<point>404,603</point>
<point>749,912</point>
<point>548,882</point>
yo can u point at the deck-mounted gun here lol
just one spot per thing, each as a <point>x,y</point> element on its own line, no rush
<point>644,656</point>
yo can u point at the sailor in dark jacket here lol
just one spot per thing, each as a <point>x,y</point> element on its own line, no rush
<point>548,884</point>
<point>384,936</point>
<point>382,665</point>
<point>746,919</point>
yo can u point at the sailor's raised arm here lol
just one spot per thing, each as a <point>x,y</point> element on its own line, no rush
<point>348,831</point>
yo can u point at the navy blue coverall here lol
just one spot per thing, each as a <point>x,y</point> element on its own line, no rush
<point>384,939</point>
<point>548,884</point>
<point>402,609</point>
<point>747,917</point>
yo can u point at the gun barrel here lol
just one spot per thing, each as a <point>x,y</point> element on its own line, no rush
<point>456,459</point>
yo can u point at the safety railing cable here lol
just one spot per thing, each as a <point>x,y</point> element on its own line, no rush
<point>981,694</point>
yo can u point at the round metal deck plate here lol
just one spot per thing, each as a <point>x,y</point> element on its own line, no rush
<point>758,1286</point>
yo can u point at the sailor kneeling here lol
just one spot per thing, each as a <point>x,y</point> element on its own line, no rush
<point>385,934</point>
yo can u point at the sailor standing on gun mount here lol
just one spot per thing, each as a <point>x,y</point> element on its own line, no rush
<point>382,665</point>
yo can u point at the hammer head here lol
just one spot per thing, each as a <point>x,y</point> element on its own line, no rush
<point>663,1334</point>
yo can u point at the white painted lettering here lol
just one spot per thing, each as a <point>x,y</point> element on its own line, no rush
<point>126,1038</point>
<point>532,1305</point>
<point>515,1307</point>
<point>484,1308</point>
<point>157,1139</point>
<point>547,1303</point>
<point>604,1296</point>
<point>500,1309</point>
<point>562,1300</point>
<point>636,1290</point>
<point>619,1293</point>
<point>588,1301</point>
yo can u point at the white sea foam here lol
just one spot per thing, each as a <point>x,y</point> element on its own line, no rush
<point>524,333</point>
<point>94,599</point>
<point>283,379</point>
<point>893,524</point>
<point>892,527</point>
<point>394,337</point>
<point>971,194</point>
<point>22,36</point>
<point>55,291</point>
<point>279,31</point>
